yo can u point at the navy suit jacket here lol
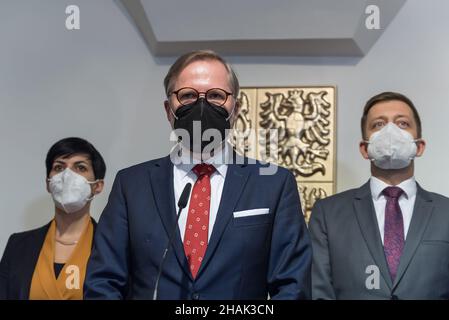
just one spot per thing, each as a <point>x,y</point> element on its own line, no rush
<point>246,258</point>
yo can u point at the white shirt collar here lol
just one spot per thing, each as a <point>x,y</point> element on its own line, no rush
<point>184,158</point>
<point>408,186</point>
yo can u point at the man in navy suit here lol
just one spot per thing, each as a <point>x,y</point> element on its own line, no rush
<point>240,236</point>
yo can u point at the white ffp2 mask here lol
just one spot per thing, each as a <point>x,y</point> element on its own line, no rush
<point>391,147</point>
<point>70,191</point>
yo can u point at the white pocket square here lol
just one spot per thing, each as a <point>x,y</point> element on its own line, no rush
<point>252,212</point>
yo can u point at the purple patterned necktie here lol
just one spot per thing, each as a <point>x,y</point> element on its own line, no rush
<point>393,229</point>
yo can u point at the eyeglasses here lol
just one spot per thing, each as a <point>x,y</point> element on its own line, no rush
<point>215,96</point>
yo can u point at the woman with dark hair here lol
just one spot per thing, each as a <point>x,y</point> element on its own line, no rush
<point>49,263</point>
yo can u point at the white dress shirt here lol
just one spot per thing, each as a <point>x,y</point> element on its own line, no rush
<point>183,174</point>
<point>406,202</point>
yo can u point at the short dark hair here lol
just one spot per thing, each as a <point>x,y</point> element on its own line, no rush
<point>389,96</point>
<point>70,146</point>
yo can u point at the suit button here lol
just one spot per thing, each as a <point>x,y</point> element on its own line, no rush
<point>196,296</point>
<point>394,297</point>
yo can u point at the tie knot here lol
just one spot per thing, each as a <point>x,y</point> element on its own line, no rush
<point>203,169</point>
<point>393,192</point>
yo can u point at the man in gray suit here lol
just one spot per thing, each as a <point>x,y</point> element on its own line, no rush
<point>388,239</point>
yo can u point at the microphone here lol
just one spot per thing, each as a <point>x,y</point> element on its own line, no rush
<point>184,198</point>
<point>182,203</point>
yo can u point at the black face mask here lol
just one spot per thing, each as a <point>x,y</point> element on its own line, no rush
<point>210,117</point>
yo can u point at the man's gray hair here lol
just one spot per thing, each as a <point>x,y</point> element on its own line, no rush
<point>199,55</point>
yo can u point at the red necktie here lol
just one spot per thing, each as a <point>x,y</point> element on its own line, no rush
<point>393,229</point>
<point>197,226</point>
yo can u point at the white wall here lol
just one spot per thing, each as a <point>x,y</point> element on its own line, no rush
<point>101,83</point>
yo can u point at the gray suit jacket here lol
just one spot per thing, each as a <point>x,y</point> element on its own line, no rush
<point>346,242</point>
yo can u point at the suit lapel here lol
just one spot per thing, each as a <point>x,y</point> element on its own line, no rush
<point>29,255</point>
<point>422,212</point>
<point>366,217</point>
<point>235,181</point>
<point>163,191</point>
